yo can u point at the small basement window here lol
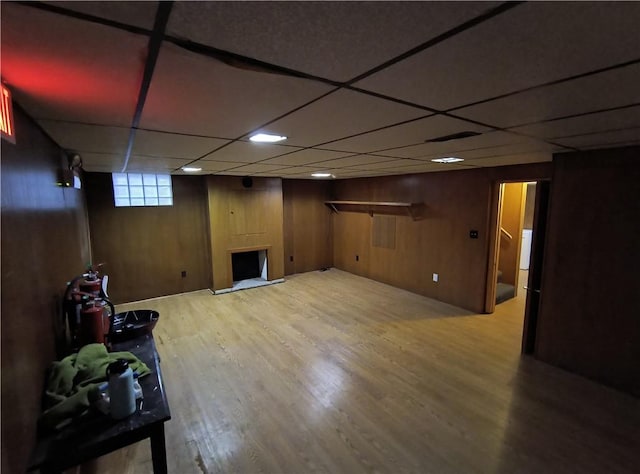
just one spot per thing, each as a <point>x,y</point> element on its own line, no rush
<point>142,189</point>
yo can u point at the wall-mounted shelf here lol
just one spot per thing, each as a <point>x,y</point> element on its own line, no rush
<point>371,207</point>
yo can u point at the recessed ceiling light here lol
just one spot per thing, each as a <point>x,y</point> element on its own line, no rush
<point>191,169</point>
<point>449,159</point>
<point>266,138</point>
<point>322,175</point>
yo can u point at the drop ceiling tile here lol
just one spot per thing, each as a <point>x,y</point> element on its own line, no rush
<point>595,140</point>
<point>302,175</point>
<point>427,167</point>
<point>194,94</point>
<point>615,88</point>
<point>450,148</point>
<point>174,145</point>
<point>337,40</point>
<point>246,152</point>
<point>307,156</point>
<point>87,138</point>
<point>338,115</point>
<point>102,162</point>
<point>304,170</point>
<point>516,159</point>
<point>358,160</point>
<point>612,145</point>
<point>531,44</point>
<point>345,174</point>
<point>213,165</point>
<point>267,174</point>
<point>584,124</point>
<point>257,168</point>
<point>67,69</point>
<point>411,133</point>
<point>235,172</point>
<point>141,14</point>
<point>392,163</point>
<point>154,164</point>
<point>529,146</point>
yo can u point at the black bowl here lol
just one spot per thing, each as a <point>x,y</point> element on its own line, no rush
<point>132,324</point>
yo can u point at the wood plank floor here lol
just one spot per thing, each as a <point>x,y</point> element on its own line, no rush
<point>329,372</point>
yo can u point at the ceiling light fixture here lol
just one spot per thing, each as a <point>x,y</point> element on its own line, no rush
<point>266,138</point>
<point>191,169</point>
<point>322,175</point>
<point>449,159</point>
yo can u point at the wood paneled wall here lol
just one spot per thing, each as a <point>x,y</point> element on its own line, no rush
<point>308,226</point>
<point>146,249</point>
<point>590,300</point>
<point>44,244</point>
<point>513,197</point>
<point>455,203</point>
<point>244,218</point>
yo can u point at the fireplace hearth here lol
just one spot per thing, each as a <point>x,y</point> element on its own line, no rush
<point>249,269</point>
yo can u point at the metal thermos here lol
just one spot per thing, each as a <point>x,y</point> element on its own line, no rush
<point>122,396</point>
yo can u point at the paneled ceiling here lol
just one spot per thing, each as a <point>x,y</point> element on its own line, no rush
<point>359,88</point>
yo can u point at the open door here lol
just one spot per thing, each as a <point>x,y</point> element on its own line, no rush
<point>535,230</point>
<point>506,233</point>
<point>532,304</point>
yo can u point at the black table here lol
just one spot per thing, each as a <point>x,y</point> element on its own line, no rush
<point>97,435</point>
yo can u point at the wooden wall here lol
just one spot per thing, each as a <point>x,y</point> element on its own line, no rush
<point>513,196</point>
<point>589,309</point>
<point>244,218</point>
<point>454,204</point>
<point>146,249</point>
<point>308,226</point>
<point>44,244</point>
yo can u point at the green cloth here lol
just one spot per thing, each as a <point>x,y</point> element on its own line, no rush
<point>73,382</point>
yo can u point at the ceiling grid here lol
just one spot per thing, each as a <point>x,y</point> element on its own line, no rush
<point>357,87</point>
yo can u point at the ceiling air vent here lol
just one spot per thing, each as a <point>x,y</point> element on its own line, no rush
<point>453,136</point>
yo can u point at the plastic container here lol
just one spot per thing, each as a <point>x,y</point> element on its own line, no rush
<point>122,395</point>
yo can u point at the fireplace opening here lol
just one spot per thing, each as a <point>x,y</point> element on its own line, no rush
<point>249,269</point>
<point>245,265</point>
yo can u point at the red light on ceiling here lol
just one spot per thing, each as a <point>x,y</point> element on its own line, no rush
<point>7,129</point>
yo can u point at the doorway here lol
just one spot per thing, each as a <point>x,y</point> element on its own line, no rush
<point>519,213</point>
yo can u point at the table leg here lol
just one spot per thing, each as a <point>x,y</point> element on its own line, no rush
<point>158,450</point>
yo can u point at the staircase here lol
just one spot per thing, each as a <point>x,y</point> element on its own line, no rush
<point>504,291</point>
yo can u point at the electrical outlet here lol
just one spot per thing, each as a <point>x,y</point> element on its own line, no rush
<point>435,277</point>
<point>184,273</point>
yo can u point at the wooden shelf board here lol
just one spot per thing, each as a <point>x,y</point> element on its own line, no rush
<point>368,205</point>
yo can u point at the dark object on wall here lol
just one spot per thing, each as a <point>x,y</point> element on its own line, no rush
<point>247,182</point>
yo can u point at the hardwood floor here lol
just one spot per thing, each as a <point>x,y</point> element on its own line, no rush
<point>330,372</point>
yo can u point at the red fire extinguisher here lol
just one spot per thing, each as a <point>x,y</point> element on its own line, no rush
<point>91,323</point>
<point>87,309</point>
<point>91,286</point>
<point>95,321</point>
